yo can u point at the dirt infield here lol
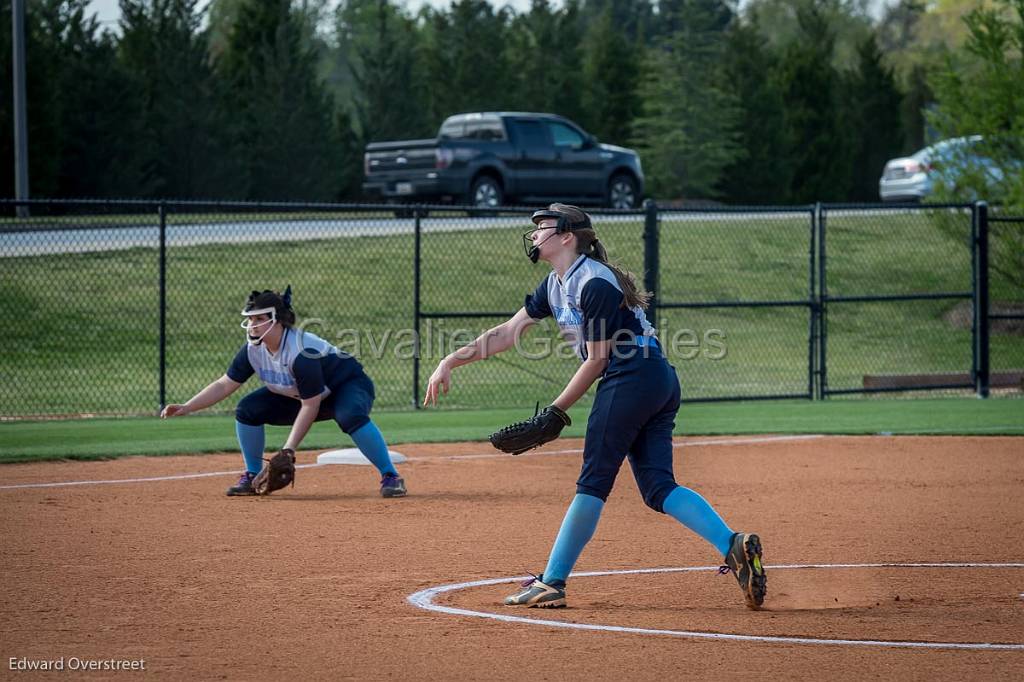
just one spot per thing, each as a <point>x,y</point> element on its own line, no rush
<point>198,585</point>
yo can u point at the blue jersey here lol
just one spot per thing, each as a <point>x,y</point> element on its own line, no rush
<point>303,367</point>
<point>587,304</point>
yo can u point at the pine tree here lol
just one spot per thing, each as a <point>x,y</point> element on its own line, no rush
<point>687,131</point>
<point>812,91</point>
<point>610,73</point>
<point>543,53</point>
<point>164,51</point>
<point>917,95</point>
<point>377,47</point>
<point>873,103</point>
<point>282,118</point>
<point>783,22</point>
<point>350,152</point>
<point>674,15</point>
<point>465,65</point>
<point>763,174</point>
<point>634,20</point>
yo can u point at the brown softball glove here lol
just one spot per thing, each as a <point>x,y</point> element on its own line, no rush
<point>277,472</point>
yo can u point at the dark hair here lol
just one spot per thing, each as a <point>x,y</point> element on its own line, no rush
<point>587,243</point>
<point>281,303</point>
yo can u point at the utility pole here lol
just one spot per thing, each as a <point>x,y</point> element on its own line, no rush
<point>20,116</point>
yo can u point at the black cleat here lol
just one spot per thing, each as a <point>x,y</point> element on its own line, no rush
<point>744,560</point>
<point>392,485</point>
<point>243,487</point>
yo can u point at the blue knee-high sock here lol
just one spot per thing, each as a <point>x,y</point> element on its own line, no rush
<point>252,440</point>
<point>578,527</point>
<point>693,511</point>
<point>370,442</point>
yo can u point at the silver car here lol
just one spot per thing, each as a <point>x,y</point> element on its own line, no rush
<point>912,178</point>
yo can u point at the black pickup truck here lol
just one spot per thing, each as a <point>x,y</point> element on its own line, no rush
<point>494,158</point>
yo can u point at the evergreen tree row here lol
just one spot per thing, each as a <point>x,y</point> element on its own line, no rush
<point>271,99</point>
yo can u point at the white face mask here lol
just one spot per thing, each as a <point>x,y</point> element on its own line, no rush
<point>251,327</point>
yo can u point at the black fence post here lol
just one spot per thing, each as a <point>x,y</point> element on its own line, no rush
<point>651,259</point>
<point>416,309</point>
<point>162,213</point>
<point>981,302</point>
<point>973,241</point>
<point>820,212</point>
<point>814,305</point>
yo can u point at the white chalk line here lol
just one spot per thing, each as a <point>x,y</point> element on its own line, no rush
<point>424,599</point>
<point>181,477</point>
<point>675,444</point>
<point>1007,430</point>
<point>148,479</point>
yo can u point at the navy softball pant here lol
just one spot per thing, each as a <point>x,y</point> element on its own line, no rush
<point>633,416</point>
<point>349,406</point>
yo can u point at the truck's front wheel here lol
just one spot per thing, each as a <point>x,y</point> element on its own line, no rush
<point>486,192</point>
<point>622,192</point>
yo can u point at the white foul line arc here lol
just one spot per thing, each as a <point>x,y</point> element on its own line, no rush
<point>424,599</point>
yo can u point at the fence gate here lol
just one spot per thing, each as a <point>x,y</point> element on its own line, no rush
<point>1004,321</point>
<point>896,294</point>
<point>735,306</point>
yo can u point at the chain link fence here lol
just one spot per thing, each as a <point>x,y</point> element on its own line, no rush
<point>87,283</point>
<point>114,308</point>
<point>1006,305</point>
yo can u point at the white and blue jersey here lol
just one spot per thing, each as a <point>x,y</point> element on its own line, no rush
<point>587,305</point>
<point>304,366</point>
<point>637,398</point>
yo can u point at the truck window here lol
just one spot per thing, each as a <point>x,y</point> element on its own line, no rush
<point>530,134</point>
<point>488,129</point>
<point>564,136</point>
<point>452,129</point>
<point>472,128</point>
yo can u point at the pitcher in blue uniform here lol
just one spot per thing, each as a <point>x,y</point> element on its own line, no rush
<point>305,378</point>
<point>599,308</point>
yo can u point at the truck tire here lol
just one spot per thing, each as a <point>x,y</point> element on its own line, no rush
<point>622,192</point>
<point>486,192</point>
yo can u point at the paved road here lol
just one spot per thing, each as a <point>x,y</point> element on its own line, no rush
<point>77,239</point>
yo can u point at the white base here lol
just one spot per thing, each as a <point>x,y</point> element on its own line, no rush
<point>353,456</point>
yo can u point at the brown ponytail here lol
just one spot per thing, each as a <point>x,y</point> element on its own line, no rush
<point>588,243</point>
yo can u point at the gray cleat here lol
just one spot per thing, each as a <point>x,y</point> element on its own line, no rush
<point>537,594</point>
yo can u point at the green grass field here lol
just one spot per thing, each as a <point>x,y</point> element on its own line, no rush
<point>107,438</point>
<point>82,329</point>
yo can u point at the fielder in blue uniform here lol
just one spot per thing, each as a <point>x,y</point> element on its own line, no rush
<point>306,379</point>
<point>599,308</point>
